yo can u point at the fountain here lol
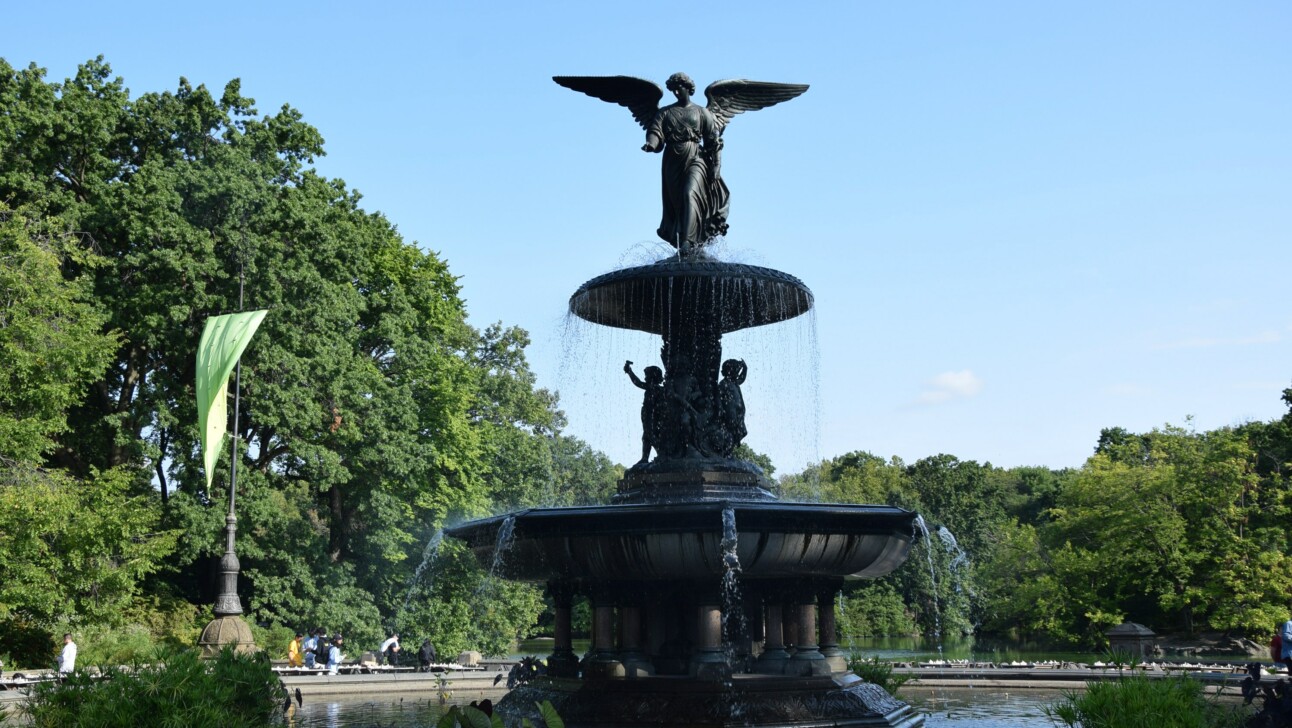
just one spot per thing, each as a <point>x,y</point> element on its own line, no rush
<point>713,601</point>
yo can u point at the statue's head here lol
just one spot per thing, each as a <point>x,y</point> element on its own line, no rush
<point>730,368</point>
<point>654,375</point>
<point>680,81</point>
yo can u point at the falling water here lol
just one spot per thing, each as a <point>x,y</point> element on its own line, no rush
<point>933,576</point>
<point>506,535</point>
<point>604,407</point>
<point>733,608</point>
<point>429,555</point>
<point>958,556</point>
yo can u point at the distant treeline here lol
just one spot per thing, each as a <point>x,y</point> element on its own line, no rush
<point>1180,530</point>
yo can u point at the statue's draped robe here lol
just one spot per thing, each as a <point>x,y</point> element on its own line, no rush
<point>695,197</point>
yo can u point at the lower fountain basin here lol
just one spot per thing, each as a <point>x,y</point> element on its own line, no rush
<point>671,541</point>
<point>746,700</point>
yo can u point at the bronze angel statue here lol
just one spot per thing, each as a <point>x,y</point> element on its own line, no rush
<point>690,138</point>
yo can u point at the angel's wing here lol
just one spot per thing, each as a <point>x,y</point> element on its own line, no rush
<point>735,96</point>
<point>637,94</point>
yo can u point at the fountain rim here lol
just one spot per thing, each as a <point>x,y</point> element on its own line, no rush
<point>699,267</point>
<point>695,516</point>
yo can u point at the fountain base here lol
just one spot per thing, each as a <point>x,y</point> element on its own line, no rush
<point>666,480</point>
<point>743,700</point>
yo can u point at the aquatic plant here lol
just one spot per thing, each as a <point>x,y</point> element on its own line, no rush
<point>874,670</point>
<point>481,715</point>
<point>1138,700</point>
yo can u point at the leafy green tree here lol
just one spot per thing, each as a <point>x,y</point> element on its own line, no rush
<point>52,348</point>
<point>1176,539</point>
<point>357,390</point>
<point>73,552</point>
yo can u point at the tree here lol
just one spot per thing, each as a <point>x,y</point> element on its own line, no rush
<point>73,552</point>
<point>1177,539</point>
<point>357,388</point>
<point>52,347</point>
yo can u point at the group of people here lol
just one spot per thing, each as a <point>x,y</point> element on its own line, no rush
<point>390,653</point>
<point>317,650</point>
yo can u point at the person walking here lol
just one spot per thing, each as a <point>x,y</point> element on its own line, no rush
<point>67,658</point>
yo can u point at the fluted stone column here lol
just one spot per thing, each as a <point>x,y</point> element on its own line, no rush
<point>562,662</point>
<point>707,659</point>
<point>807,659</point>
<point>829,629</point>
<point>605,660</point>
<point>790,626</point>
<point>635,662</point>
<point>774,657</point>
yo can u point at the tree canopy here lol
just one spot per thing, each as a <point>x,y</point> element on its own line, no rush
<point>372,411</point>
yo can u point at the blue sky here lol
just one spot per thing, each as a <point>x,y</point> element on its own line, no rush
<point>1022,221</point>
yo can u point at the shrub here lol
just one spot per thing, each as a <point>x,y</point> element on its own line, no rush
<point>880,673</point>
<point>128,644</point>
<point>229,691</point>
<point>1137,701</point>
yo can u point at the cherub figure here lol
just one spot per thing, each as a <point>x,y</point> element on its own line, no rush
<point>652,406</point>
<point>731,403</point>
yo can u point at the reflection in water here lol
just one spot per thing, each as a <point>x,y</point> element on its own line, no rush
<point>981,708</point>
<point>944,708</point>
<point>387,711</point>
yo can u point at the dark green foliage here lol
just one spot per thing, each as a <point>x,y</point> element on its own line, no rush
<point>482,716</point>
<point>874,609</point>
<point>1137,701</point>
<point>465,608</point>
<point>180,689</point>
<point>372,412</point>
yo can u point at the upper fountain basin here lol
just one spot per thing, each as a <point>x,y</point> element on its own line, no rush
<point>655,297</point>
<point>683,540</point>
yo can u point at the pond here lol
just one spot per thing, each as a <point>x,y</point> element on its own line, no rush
<point>944,708</point>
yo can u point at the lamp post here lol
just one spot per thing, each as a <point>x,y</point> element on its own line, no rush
<point>228,629</point>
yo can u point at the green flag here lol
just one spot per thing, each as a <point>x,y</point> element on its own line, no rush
<point>222,343</point>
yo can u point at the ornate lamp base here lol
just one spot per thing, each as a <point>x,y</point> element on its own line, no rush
<point>227,631</point>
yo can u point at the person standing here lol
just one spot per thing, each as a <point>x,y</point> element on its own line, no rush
<point>310,646</point>
<point>67,658</point>
<point>1285,634</point>
<point>294,657</point>
<point>390,649</point>
<point>334,656</point>
<point>426,656</point>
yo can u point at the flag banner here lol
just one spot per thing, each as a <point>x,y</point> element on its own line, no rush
<point>223,340</point>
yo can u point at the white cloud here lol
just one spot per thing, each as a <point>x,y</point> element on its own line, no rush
<point>949,386</point>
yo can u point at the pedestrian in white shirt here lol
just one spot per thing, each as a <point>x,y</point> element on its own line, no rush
<point>67,658</point>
